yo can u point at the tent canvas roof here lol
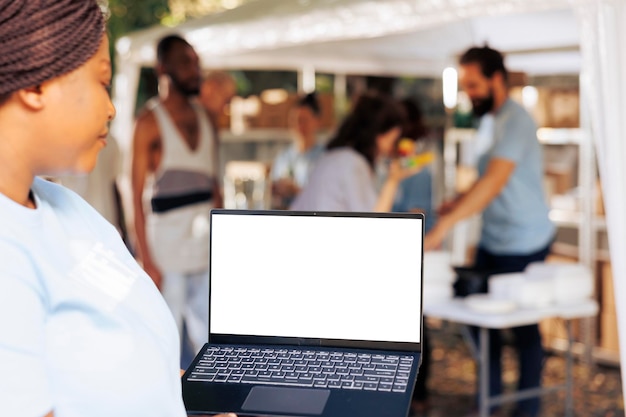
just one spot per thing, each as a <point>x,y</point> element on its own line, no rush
<point>408,37</point>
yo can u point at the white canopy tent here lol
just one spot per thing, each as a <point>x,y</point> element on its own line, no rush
<point>392,37</point>
<point>421,38</point>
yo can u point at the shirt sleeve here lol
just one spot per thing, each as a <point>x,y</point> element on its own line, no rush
<point>280,167</point>
<point>360,193</point>
<point>24,387</point>
<point>517,132</point>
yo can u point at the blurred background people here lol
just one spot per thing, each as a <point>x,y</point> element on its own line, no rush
<point>417,192</point>
<point>344,178</point>
<point>291,168</point>
<point>216,92</point>
<point>174,151</point>
<point>516,229</point>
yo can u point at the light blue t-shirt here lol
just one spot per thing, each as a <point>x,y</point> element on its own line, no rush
<point>83,330</point>
<point>516,221</point>
<point>296,165</point>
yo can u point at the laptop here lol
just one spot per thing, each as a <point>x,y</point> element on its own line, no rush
<point>311,314</point>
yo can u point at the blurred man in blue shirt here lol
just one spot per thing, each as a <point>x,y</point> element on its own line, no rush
<point>516,229</point>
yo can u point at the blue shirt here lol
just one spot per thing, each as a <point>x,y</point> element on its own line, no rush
<point>416,192</point>
<point>516,221</point>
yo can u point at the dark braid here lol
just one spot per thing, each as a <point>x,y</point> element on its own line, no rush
<point>43,39</point>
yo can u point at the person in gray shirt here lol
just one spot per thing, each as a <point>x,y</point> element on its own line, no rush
<point>343,178</point>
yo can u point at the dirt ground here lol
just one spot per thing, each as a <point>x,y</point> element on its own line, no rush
<point>452,383</point>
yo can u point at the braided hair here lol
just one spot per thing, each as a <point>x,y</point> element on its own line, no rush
<point>43,39</point>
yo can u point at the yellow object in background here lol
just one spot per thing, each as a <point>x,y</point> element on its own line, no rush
<point>418,160</point>
<point>406,147</point>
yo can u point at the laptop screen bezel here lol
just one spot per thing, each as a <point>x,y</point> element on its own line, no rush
<point>218,338</point>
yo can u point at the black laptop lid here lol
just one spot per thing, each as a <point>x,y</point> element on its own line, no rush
<point>316,278</point>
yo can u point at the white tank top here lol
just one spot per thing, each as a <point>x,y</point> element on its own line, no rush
<point>178,224</point>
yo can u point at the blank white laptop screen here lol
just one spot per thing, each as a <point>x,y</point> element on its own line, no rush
<point>351,278</point>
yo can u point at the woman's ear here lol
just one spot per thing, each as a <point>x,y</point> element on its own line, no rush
<point>31,97</point>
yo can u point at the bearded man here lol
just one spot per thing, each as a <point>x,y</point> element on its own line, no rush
<point>516,228</point>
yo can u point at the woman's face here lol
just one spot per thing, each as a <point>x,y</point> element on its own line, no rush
<point>305,122</point>
<point>385,142</point>
<point>75,117</point>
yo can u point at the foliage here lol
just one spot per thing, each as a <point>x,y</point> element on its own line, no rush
<point>129,15</point>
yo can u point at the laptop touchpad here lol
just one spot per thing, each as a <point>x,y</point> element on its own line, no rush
<point>286,400</point>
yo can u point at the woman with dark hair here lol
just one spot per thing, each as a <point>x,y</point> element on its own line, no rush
<point>344,178</point>
<point>83,329</point>
<point>292,167</point>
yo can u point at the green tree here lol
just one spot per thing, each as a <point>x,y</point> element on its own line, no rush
<point>129,15</point>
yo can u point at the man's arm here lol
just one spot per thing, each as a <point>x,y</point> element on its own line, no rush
<point>474,201</point>
<point>145,135</point>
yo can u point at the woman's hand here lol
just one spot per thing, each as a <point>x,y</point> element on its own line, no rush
<point>396,172</point>
<point>285,188</point>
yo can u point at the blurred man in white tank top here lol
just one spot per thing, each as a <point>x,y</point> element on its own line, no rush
<point>175,157</point>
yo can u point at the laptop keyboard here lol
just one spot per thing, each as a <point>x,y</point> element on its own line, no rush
<point>304,368</point>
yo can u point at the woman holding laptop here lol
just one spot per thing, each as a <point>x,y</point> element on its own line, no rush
<point>83,330</point>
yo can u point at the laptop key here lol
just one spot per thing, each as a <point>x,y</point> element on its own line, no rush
<point>384,387</point>
<point>399,387</point>
<point>379,373</point>
<point>371,379</point>
<point>202,378</point>
<point>370,386</point>
<point>334,384</point>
